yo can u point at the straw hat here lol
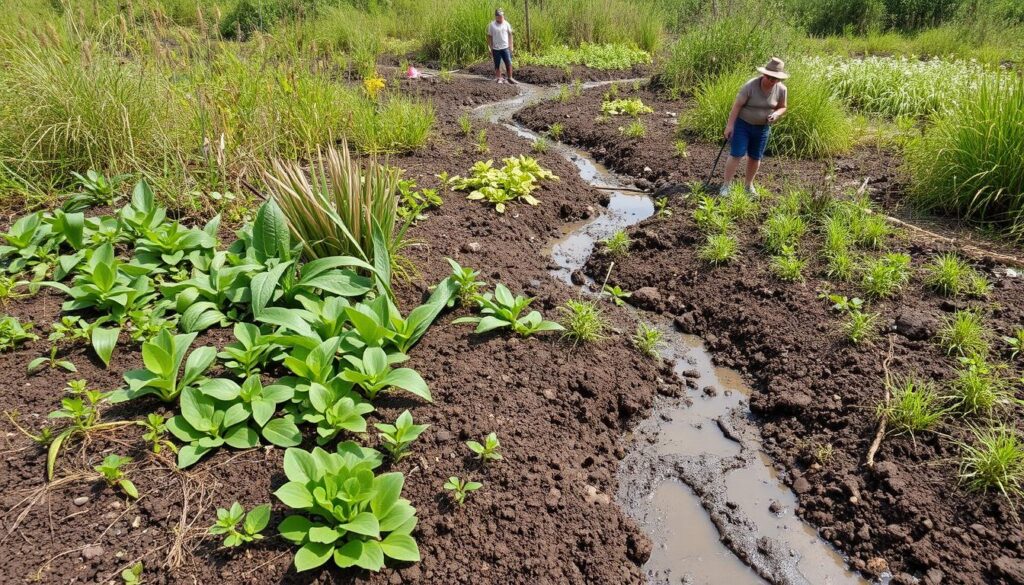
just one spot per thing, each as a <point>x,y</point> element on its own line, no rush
<point>774,68</point>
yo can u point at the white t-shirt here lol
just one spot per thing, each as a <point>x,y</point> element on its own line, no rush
<point>499,34</point>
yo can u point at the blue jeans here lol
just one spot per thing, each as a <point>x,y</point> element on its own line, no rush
<point>749,140</point>
<point>501,55</point>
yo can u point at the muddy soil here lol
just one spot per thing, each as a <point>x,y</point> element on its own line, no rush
<point>814,393</point>
<point>546,513</point>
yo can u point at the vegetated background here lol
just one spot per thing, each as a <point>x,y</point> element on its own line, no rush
<point>192,94</point>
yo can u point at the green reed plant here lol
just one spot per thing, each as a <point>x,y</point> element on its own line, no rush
<point>860,326</point>
<point>884,277</point>
<point>337,209</point>
<point>964,334</point>
<point>584,321</point>
<point>617,245</point>
<point>719,248</point>
<point>994,461</point>
<point>646,339</point>
<point>914,406</point>
<point>980,389</point>
<point>782,230</point>
<point>949,275</point>
<point>967,163</point>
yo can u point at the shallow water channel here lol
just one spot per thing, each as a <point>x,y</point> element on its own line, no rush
<point>695,478</point>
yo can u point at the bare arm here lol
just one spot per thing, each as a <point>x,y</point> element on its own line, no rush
<point>778,112</point>
<point>733,114</point>
<point>490,42</point>
<point>510,44</point>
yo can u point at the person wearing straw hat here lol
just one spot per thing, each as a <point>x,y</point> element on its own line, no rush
<point>759,104</point>
<point>499,39</point>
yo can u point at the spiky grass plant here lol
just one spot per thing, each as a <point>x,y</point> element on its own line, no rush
<point>646,339</point>
<point>964,333</point>
<point>914,406</point>
<point>540,145</point>
<point>995,460</point>
<point>968,163</point>
<point>711,216</point>
<point>979,388</point>
<point>782,230</point>
<point>883,277</point>
<point>335,210</point>
<point>556,130</point>
<point>719,249</point>
<point>788,266</point>
<point>635,129</point>
<point>860,326</point>
<point>740,205</point>
<point>947,274</point>
<point>584,321</point>
<point>617,245</point>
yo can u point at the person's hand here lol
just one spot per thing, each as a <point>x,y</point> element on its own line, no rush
<point>728,132</point>
<point>773,117</point>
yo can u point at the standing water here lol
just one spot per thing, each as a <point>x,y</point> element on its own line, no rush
<point>696,479</point>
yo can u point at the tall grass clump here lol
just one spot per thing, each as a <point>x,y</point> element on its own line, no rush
<point>914,406</point>
<point>455,33</point>
<point>898,86</point>
<point>995,460</point>
<point>61,111</point>
<point>968,162</point>
<point>714,47</point>
<point>815,125</point>
<point>337,207</point>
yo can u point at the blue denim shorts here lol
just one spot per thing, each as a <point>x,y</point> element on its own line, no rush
<point>501,55</point>
<point>749,140</point>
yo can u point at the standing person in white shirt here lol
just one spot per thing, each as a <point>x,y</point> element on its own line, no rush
<point>499,39</point>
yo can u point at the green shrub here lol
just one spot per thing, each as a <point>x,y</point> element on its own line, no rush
<point>709,49</point>
<point>596,56</point>
<point>968,162</point>
<point>815,125</point>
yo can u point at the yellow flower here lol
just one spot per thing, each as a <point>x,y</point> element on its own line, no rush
<point>373,85</point>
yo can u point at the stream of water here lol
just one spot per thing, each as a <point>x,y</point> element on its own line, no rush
<point>695,479</point>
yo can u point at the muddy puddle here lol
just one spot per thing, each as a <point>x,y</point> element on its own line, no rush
<point>696,479</point>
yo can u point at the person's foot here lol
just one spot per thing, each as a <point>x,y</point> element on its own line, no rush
<point>751,190</point>
<point>512,81</point>
<point>500,80</point>
<point>723,190</point>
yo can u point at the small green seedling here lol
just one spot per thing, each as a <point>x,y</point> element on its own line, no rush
<point>994,461</point>
<point>843,303</point>
<point>1016,343</point>
<point>488,451</point>
<point>14,333</point>
<point>481,142</point>
<point>964,334</point>
<point>617,295</point>
<point>617,244</point>
<point>132,575</point>
<point>682,149</point>
<point>719,249</point>
<point>465,126</point>
<point>860,326</point>
<point>584,321</point>
<point>502,309</point>
<point>111,472</point>
<point>156,433</point>
<point>399,436</point>
<point>227,523</point>
<point>460,488</point>
<point>468,281</point>
<point>914,406</point>
<point>646,339</point>
<point>51,361</point>
<point>661,208</point>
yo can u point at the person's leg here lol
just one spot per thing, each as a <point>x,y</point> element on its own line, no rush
<point>755,152</point>
<point>507,56</point>
<point>737,150</point>
<point>496,55</point>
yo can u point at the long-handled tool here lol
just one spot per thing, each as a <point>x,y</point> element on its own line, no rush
<point>714,168</point>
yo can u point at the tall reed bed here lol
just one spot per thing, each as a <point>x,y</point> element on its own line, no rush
<point>969,161</point>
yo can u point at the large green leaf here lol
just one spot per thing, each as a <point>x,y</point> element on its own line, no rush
<point>300,466</point>
<point>197,408</point>
<point>364,523</point>
<point>242,436</point>
<point>401,547</point>
<point>270,237</point>
<point>409,380</point>
<point>294,495</point>
<point>104,341</point>
<point>282,432</point>
<point>292,319</point>
<point>388,487</point>
<point>312,555</point>
<point>265,284</point>
<point>294,528</point>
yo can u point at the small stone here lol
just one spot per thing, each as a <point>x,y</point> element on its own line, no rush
<point>775,507</point>
<point>710,391</point>
<point>444,436</point>
<point>92,551</point>
<point>877,566</point>
<point>854,500</point>
<point>137,522</point>
<point>801,485</point>
<point>471,247</point>
<point>550,394</point>
<point>552,499</point>
<point>80,500</point>
<point>592,496</point>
